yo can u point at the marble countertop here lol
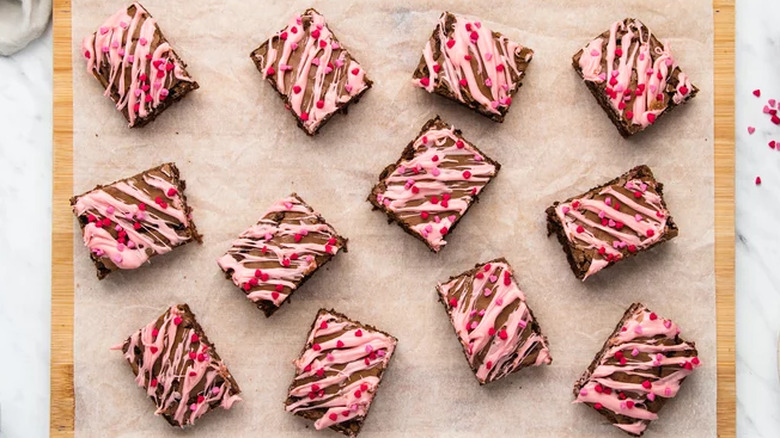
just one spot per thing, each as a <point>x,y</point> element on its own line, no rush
<point>25,241</point>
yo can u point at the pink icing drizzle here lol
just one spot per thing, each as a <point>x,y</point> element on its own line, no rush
<point>165,362</point>
<point>291,260</point>
<point>503,347</point>
<point>470,51</point>
<point>437,172</point>
<point>328,77</point>
<point>626,233</point>
<point>130,45</point>
<point>346,369</point>
<point>647,337</point>
<point>633,61</point>
<point>157,233</point>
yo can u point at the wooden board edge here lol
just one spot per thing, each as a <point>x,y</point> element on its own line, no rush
<point>724,214</point>
<point>62,413</point>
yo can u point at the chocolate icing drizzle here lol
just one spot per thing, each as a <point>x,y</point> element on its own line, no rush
<point>179,368</point>
<point>493,322</point>
<point>312,71</point>
<point>338,372</point>
<point>641,366</point>
<point>273,257</point>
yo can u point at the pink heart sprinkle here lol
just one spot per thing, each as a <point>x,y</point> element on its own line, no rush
<point>487,292</point>
<point>766,109</point>
<point>493,278</point>
<point>772,103</point>
<point>638,217</point>
<point>451,218</point>
<point>651,396</point>
<point>348,88</point>
<point>751,130</point>
<point>315,61</point>
<point>103,30</point>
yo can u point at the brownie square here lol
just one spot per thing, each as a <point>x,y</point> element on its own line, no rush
<point>640,367</point>
<point>312,71</point>
<point>136,65</point>
<point>493,322</point>
<point>274,257</point>
<point>612,222</point>
<point>339,372</point>
<point>439,175</point>
<point>129,221</point>
<point>179,368</point>
<point>466,62</point>
<point>633,76</point>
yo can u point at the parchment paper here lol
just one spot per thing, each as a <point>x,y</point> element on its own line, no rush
<point>239,151</point>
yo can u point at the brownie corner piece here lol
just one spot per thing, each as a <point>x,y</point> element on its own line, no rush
<point>633,76</point>
<point>314,74</point>
<point>438,177</point>
<point>612,222</point>
<point>641,366</point>
<point>136,65</point>
<point>339,372</point>
<point>273,258</point>
<point>493,322</point>
<point>179,368</point>
<point>468,63</point>
<point>127,222</point>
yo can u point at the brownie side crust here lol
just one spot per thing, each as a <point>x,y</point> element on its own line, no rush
<point>347,334</point>
<point>107,207</point>
<point>410,153</point>
<point>580,259</point>
<point>180,351</point>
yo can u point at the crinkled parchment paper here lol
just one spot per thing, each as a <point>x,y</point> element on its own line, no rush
<point>239,151</point>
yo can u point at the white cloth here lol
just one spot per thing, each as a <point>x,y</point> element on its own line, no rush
<point>22,21</point>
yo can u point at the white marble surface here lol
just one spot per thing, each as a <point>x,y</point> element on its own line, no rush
<point>758,240</point>
<point>25,184</point>
<point>25,239</point>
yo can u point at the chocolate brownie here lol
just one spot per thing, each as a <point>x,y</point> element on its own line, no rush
<point>633,76</point>
<point>611,222</point>
<point>493,322</point>
<point>338,373</point>
<point>640,367</point>
<point>437,179</point>
<point>315,75</point>
<point>136,65</point>
<point>466,62</point>
<point>179,368</point>
<point>274,257</point>
<point>129,221</point>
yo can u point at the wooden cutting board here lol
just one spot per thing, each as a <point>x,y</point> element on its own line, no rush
<point>62,414</point>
